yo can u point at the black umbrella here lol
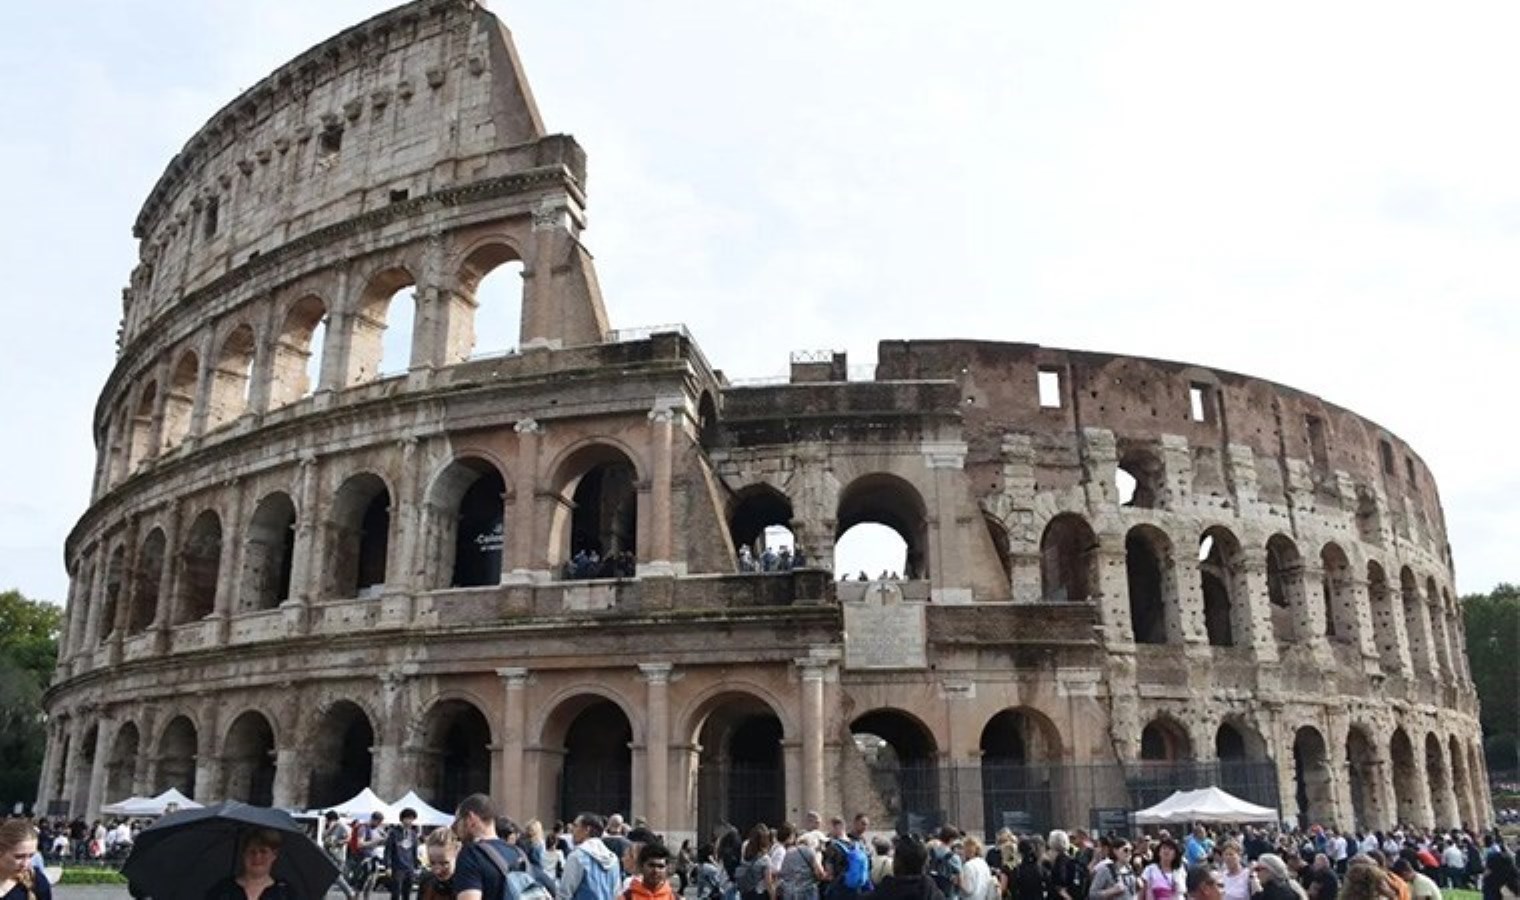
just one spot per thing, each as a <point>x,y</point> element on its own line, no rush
<point>182,855</point>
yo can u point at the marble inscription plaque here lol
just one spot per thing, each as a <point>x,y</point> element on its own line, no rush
<point>884,632</point>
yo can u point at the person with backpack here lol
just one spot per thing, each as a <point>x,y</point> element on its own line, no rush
<point>486,866</point>
<point>945,862</point>
<point>1065,873</point>
<point>801,870</point>
<point>848,859</point>
<point>755,877</point>
<point>592,870</point>
<point>711,879</point>
<point>908,880</point>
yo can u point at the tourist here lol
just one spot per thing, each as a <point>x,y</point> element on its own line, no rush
<point>1197,847</point>
<point>1276,882</point>
<point>1065,873</point>
<point>800,871</point>
<point>945,862</point>
<point>1239,881</point>
<point>540,866</point>
<point>1501,880</point>
<point>18,878</point>
<point>477,875</point>
<point>653,882</point>
<point>1421,886</point>
<point>401,841</point>
<point>1453,865</point>
<point>1164,879</point>
<point>881,859</point>
<point>1114,878</point>
<point>755,877</point>
<point>442,850</point>
<point>847,858</point>
<point>977,882</point>
<point>257,852</point>
<point>1203,883</point>
<point>908,880</point>
<point>712,881</point>
<point>592,869</point>
<point>1029,880</point>
<point>1320,882</point>
<point>1365,881</point>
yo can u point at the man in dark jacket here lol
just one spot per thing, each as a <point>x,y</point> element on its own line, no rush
<point>908,880</point>
<point>401,855</point>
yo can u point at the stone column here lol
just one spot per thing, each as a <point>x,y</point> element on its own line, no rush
<point>74,767</point>
<point>228,576</point>
<point>811,673</point>
<point>521,526</point>
<point>514,733</point>
<point>142,771</point>
<point>78,611</point>
<point>407,559</point>
<point>1257,611</point>
<point>46,789</point>
<point>92,624</point>
<point>338,340</point>
<point>288,769</point>
<point>657,743</point>
<point>1400,630</point>
<point>105,735</point>
<point>306,559</point>
<point>661,435</point>
<point>168,579</point>
<point>1113,594</point>
<point>205,379</point>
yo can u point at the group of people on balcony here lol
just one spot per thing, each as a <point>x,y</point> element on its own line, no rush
<point>783,560</point>
<point>589,563</point>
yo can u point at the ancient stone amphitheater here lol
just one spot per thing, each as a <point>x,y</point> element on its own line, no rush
<point>307,568</point>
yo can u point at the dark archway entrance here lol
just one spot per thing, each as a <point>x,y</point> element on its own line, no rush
<point>176,757</point>
<point>1017,749</point>
<point>341,759</point>
<point>597,773</point>
<point>903,761</point>
<point>458,757</point>
<point>1312,790</point>
<point>741,776</point>
<point>359,537</point>
<point>249,760</point>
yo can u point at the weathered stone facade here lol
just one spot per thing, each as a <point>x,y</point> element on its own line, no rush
<point>287,587</point>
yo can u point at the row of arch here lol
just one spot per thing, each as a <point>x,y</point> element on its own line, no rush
<point>250,363</point>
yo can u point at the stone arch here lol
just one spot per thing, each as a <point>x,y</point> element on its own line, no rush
<point>115,588</point>
<point>121,764</point>
<point>200,568</point>
<point>268,552</point>
<point>1140,478</point>
<point>1438,782</point>
<point>232,376</point>
<point>140,448</point>
<point>1339,591</point>
<point>1369,808</point>
<point>456,750</point>
<point>1440,629</point>
<point>884,499</point>
<point>298,351</point>
<point>118,443</point>
<point>1068,559</point>
<point>1462,783</point>
<point>597,485</point>
<point>1313,791</point>
<point>179,399</point>
<point>248,759</point>
<point>1164,739</point>
<point>1384,619</point>
<point>466,515</point>
<point>487,261</point>
<point>590,739</point>
<point>1152,579</point>
<point>740,767</point>
<point>359,526</point>
<point>1287,592</point>
<point>1222,576</point>
<point>1416,622</point>
<point>178,747</point>
<point>341,752</point>
<point>1241,750</point>
<point>374,313</point>
<point>755,508</point>
<point>147,585</point>
<point>1408,787</point>
<point>87,748</point>
<point>901,756</point>
<point>1018,747</point>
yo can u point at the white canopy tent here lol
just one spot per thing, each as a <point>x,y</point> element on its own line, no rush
<point>150,806</point>
<point>360,806</point>
<point>1208,804</point>
<point>427,815</point>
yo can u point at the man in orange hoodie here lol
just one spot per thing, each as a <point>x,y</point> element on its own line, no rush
<point>654,870</point>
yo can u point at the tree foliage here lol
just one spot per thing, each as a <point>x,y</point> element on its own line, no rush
<point>1492,626</point>
<point>28,650</point>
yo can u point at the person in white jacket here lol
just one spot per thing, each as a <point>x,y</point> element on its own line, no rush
<point>592,871</point>
<point>977,882</point>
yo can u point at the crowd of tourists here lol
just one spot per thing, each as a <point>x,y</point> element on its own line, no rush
<point>63,841</point>
<point>785,559</point>
<point>587,564</point>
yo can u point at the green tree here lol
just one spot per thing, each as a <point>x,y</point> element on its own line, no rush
<point>1492,625</point>
<point>28,651</point>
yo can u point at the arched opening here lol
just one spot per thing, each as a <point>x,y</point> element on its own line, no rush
<point>741,776</point>
<point>1440,631</point>
<point>1362,771</point>
<point>1222,573</point>
<point>142,427</point>
<point>116,575</point>
<point>1165,764</point>
<point>1140,478</point>
<point>467,506</point>
<point>1242,754</point>
<point>761,521</point>
<point>382,339</point>
<point>341,755</point>
<point>1285,588</point>
<point>1439,781</point>
<point>121,765</point>
<point>889,501</point>
<point>457,757</point>
<point>359,537</point>
<point>179,399</point>
<point>596,770</point>
<point>248,760</point>
<point>1152,584</point>
<point>492,277</point>
<point>268,553</point>
<point>596,526</point>
<point>1312,789</point>
<point>707,421</point>
<point>82,781</point>
<point>148,583</point>
<point>869,550</point>
<point>1408,785</point>
<point>1164,740</point>
<point>901,759</point>
<point>1416,622</point>
<point>176,757</point>
<point>1068,559</point>
<point>1339,593</point>
<point>200,568</point>
<point>232,378</point>
<point>297,369</point>
<point>1018,747</point>
<point>1384,619</point>
<point>1461,783</point>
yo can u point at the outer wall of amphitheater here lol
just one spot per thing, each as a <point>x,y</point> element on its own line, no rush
<point>306,568</point>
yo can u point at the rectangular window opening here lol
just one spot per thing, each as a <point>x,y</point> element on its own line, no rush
<point>1319,451</point>
<point>1050,389</point>
<point>1198,402</point>
<point>1409,470</point>
<point>400,195</point>
<point>211,216</point>
<point>1386,449</point>
<point>330,141</point>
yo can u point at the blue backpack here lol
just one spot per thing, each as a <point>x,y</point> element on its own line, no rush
<point>857,866</point>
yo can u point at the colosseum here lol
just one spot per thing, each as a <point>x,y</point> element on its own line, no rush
<point>307,567</point>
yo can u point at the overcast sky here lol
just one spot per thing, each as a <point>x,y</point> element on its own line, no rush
<point>1326,195</point>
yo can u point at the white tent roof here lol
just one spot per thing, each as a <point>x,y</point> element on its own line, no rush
<point>150,806</point>
<point>1208,804</point>
<point>427,815</point>
<point>361,806</point>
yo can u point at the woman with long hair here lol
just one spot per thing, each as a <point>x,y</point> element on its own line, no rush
<point>18,880</point>
<point>977,882</point>
<point>1163,879</point>
<point>442,849</point>
<point>755,877</point>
